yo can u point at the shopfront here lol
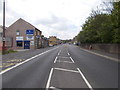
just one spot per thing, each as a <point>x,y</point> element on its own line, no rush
<point>26,44</point>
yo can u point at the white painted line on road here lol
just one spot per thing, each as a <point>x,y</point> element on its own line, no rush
<point>59,52</point>
<point>88,84</point>
<point>114,59</point>
<point>68,54</point>
<point>64,57</point>
<point>49,79</point>
<point>72,60</point>
<point>62,69</point>
<point>54,88</point>
<point>55,59</point>
<point>65,61</point>
<point>8,69</point>
<point>86,81</point>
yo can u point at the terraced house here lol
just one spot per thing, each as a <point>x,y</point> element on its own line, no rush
<point>23,35</point>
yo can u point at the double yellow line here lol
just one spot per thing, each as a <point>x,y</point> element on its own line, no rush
<point>11,63</point>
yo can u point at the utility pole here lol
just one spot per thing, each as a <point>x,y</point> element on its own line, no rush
<point>3,48</point>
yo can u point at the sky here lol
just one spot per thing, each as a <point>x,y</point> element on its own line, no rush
<point>61,18</point>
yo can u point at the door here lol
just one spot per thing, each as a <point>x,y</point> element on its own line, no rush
<point>26,44</point>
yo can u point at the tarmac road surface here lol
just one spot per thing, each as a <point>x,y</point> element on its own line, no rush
<point>64,66</point>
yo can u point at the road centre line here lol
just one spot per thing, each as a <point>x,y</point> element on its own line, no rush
<point>114,59</point>
<point>86,81</point>
<point>62,69</point>
<point>8,69</point>
<point>49,79</point>
<point>68,54</point>
<point>72,60</point>
<point>59,52</point>
<point>55,59</point>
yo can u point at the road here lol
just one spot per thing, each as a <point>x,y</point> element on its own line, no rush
<point>65,66</point>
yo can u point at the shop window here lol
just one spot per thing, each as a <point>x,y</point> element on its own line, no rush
<point>19,44</point>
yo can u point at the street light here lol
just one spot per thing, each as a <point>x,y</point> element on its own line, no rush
<point>3,48</point>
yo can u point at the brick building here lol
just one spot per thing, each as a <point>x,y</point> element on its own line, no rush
<point>23,35</point>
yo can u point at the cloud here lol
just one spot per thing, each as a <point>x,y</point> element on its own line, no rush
<point>57,23</point>
<point>62,18</point>
<point>57,26</point>
<point>0,6</point>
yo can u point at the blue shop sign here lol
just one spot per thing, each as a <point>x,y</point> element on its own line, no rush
<point>29,32</point>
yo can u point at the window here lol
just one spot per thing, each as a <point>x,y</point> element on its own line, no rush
<point>17,32</point>
<point>19,43</point>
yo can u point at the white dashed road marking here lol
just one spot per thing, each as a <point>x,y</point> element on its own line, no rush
<point>59,52</point>
<point>68,54</point>
<point>64,57</point>
<point>67,70</point>
<point>64,61</point>
<point>72,60</point>
<point>55,59</point>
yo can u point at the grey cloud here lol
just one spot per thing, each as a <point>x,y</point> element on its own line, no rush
<point>48,21</point>
<point>57,23</point>
<point>63,25</point>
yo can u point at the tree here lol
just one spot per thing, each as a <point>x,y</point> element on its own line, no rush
<point>102,27</point>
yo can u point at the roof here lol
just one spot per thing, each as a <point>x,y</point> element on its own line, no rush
<point>28,23</point>
<point>25,22</point>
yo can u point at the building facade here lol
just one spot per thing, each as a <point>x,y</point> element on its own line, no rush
<point>53,41</point>
<point>23,35</point>
<point>45,42</point>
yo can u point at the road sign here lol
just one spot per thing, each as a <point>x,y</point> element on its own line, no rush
<point>4,39</point>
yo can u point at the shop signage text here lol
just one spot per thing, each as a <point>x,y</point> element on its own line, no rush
<point>29,32</point>
<point>19,38</point>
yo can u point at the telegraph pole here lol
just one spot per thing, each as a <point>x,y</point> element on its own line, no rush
<point>3,48</point>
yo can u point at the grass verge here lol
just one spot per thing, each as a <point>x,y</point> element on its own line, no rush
<point>10,51</point>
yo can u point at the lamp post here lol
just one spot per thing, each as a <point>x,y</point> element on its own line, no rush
<point>3,48</point>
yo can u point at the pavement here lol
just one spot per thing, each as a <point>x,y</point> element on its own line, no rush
<point>58,68</point>
<point>113,55</point>
<point>12,59</point>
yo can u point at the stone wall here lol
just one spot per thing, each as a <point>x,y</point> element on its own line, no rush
<point>110,48</point>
